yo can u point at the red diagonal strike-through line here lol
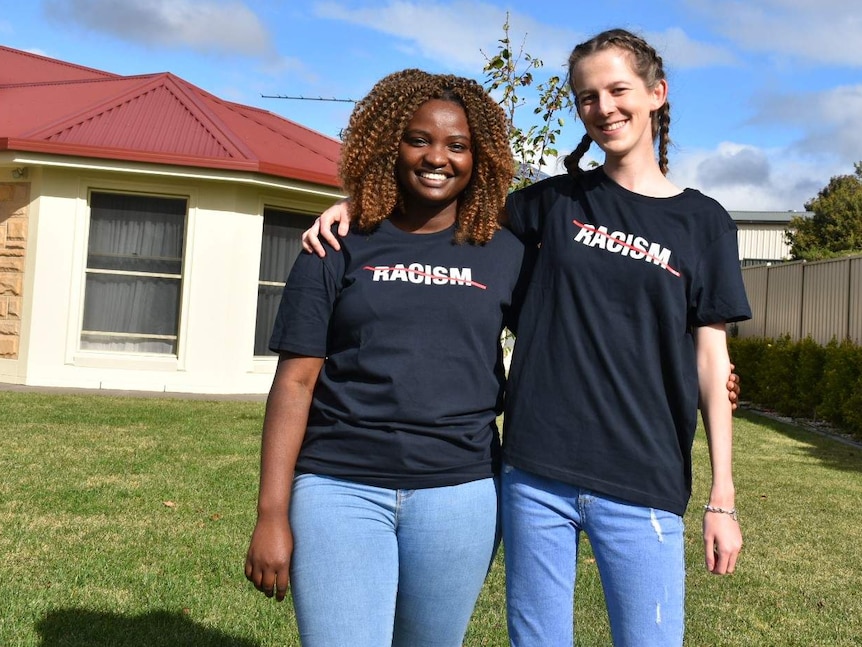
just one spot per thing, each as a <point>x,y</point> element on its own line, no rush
<point>657,260</point>
<point>433,276</point>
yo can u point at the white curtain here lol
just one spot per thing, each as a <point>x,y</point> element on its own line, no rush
<point>280,246</point>
<point>138,240</point>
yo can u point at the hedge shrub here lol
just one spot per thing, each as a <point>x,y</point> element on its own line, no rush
<point>802,379</point>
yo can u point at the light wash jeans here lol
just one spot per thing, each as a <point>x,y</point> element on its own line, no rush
<point>640,554</point>
<point>374,567</point>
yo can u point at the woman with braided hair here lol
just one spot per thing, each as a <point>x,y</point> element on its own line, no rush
<point>633,285</point>
<point>621,337</point>
<point>378,502</point>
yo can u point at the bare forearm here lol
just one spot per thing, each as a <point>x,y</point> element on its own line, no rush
<point>722,538</point>
<point>713,369</point>
<point>283,430</point>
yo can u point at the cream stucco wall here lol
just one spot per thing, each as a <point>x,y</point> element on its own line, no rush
<point>219,292</point>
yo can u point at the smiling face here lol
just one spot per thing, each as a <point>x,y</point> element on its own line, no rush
<point>435,161</point>
<point>615,104</point>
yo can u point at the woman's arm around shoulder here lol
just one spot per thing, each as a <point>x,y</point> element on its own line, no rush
<point>322,229</point>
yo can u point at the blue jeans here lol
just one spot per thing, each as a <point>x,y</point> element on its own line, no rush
<point>640,554</point>
<point>374,567</point>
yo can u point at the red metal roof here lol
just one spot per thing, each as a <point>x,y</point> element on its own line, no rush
<point>50,106</point>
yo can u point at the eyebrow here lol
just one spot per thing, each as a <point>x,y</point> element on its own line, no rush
<point>611,86</point>
<point>421,131</point>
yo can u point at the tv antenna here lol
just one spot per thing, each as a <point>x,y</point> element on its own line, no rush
<point>283,96</point>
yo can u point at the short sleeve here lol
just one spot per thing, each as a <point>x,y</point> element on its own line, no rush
<point>302,322</point>
<point>717,291</point>
<point>524,213</point>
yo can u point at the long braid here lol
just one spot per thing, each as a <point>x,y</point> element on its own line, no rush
<point>662,117</point>
<point>646,63</point>
<point>572,161</point>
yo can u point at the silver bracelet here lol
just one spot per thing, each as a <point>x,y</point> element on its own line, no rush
<point>732,512</point>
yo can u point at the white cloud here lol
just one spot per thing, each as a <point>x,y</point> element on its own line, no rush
<point>455,34</point>
<point>747,178</point>
<point>817,31</point>
<point>735,166</point>
<point>681,52</point>
<point>830,121</point>
<point>285,65</point>
<point>202,25</point>
<point>740,177</point>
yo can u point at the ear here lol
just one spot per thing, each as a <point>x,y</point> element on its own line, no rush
<point>658,95</point>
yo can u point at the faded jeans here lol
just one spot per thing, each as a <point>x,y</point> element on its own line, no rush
<point>639,552</point>
<point>374,567</point>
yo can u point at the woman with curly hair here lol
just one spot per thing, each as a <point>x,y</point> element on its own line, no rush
<point>378,502</point>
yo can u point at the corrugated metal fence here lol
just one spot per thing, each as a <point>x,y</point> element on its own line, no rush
<point>821,300</point>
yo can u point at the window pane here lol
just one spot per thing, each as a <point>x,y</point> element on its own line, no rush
<point>142,235</point>
<point>268,298</point>
<point>279,248</point>
<point>123,344</point>
<point>281,243</point>
<point>131,304</point>
<point>136,233</point>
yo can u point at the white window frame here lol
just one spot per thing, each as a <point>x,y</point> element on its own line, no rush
<point>92,357</point>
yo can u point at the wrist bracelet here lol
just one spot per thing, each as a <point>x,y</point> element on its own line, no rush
<point>732,512</point>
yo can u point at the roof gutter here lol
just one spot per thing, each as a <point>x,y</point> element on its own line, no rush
<point>250,177</point>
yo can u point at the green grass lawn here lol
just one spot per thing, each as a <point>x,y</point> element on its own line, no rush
<point>124,522</point>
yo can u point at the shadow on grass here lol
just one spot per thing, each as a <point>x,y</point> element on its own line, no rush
<point>85,628</point>
<point>837,452</point>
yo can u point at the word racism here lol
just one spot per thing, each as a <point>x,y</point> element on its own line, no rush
<point>619,242</point>
<point>425,274</point>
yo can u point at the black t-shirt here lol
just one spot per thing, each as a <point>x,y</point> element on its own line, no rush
<point>410,328</point>
<point>603,389</point>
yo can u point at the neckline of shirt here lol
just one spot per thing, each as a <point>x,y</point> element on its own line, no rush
<point>618,188</point>
<point>388,227</point>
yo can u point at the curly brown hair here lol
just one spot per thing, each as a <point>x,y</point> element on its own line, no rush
<point>647,64</point>
<point>370,151</point>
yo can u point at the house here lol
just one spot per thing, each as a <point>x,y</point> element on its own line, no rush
<point>761,235</point>
<point>146,228</point>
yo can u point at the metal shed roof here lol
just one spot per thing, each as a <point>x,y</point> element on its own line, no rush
<point>767,217</point>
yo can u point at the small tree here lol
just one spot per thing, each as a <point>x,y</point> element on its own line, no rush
<point>511,73</point>
<point>836,227</point>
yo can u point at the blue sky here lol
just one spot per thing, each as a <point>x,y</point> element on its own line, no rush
<point>766,94</point>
